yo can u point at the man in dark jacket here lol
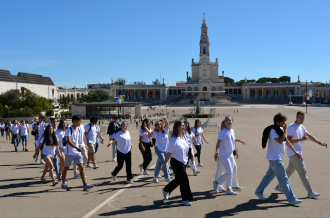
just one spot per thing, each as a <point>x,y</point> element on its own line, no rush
<point>113,128</point>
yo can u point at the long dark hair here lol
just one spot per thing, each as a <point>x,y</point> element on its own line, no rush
<point>61,125</point>
<point>196,121</point>
<point>176,128</point>
<point>188,126</point>
<point>47,136</point>
<point>144,121</point>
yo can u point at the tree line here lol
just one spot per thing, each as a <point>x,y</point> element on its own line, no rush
<point>282,79</point>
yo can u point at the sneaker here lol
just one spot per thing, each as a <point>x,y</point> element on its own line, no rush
<point>200,165</point>
<point>64,185</point>
<point>159,176</point>
<point>59,177</point>
<point>76,176</point>
<point>313,195</point>
<point>87,186</point>
<point>95,166</point>
<point>165,194</point>
<point>186,203</point>
<point>141,168</point>
<point>237,188</point>
<point>279,189</point>
<point>261,197</point>
<point>196,172</point>
<point>16,149</point>
<point>36,160</point>
<point>23,149</point>
<point>114,178</point>
<point>43,180</point>
<point>55,182</point>
<point>220,188</point>
<point>88,165</point>
<point>26,149</point>
<point>42,161</point>
<point>114,160</point>
<point>215,186</point>
<point>155,179</point>
<point>129,182</point>
<point>168,180</point>
<point>231,192</point>
<point>146,173</point>
<point>297,201</point>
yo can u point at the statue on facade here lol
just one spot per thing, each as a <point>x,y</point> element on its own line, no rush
<point>245,79</point>
<point>112,80</point>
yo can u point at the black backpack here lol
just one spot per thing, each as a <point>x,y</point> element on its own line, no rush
<point>266,132</point>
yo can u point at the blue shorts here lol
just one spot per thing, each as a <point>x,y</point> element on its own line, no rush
<point>44,156</point>
<point>24,138</point>
<point>62,150</point>
<point>78,159</point>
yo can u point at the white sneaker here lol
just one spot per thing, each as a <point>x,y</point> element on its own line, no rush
<point>186,203</point>
<point>42,162</point>
<point>114,160</point>
<point>231,192</point>
<point>146,173</point>
<point>155,180</point>
<point>77,176</point>
<point>88,165</point>
<point>220,188</point>
<point>64,185</point>
<point>165,194</point>
<point>200,165</point>
<point>129,182</point>
<point>114,178</point>
<point>196,172</point>
<point>55,182</point>
<point>159,176</point>
<point>279,189</point>
<point>237,188</point>
<point>87,186</point>
<point>95,166</point>
<point>297,201</point>
<point>43,180</point>
<point>168,180</point>
<point>59,177</point>
<point>215,186</point>
<point>141,168</point>
<point>261,197</point>
<point>313,195</point>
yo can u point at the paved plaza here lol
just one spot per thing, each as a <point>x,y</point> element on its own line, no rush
<point>23,195</point>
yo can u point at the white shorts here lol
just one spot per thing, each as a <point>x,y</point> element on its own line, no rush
<point>78,159</point>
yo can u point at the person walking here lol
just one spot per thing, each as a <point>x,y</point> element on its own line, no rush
<point>276,135</point>
<point>2,127</point>
<point>113,128</point>
<point>124,154</point>
<point>91,134</point>
<point>24,133</point>
<point>53,122</point>
<point>198,132</point>
<point>177,150</point>
<point>73,151</point>
<point>144,146</point>
<point>48,145</point>
<point>62,143</point>
<point>84,152</point>
<point>7,130</point>
<point>297,134</point>
<point>160,134</point>
<point>189,136</point>
<point>15,134</point>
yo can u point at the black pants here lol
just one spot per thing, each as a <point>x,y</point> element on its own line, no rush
<point>120,163</point>
<point>181,179</point>
<point>198,154</point>
<point>147,156</point>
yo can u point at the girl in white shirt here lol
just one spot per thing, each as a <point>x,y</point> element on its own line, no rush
<point>144,146</point>
<point>48,144</point>
<point>224,156</point>
<point>198,131</point>
<point>178,150</point>
<point>124,147</point>
<point>160,133</point>
<point>60,132</point>
<point>190,137</point>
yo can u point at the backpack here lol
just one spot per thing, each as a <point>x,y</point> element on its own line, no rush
<point>90,127</point>
<point>266,132</point>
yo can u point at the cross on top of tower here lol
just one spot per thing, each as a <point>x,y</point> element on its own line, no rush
<point>204,14</point>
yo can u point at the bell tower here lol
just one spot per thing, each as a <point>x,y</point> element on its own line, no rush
<point>204,44</point>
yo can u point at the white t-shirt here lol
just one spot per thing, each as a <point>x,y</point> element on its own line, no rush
<point>75,139</point>
<point>15,129</point>
<point>144,135</point>
<point>91,134</point>
<point>48,150</point>
<point>161,139</point>
<point>82,129</point>
<point>123,141</point>
<point>296,132</point>
<point>41,130</point>
<point>60,135</point>
<point>189,137</point>
<point>24,129</point>
<point>275,150</point>
<point>179,148</point>
<point>227,138</point>
<point>198,134</point>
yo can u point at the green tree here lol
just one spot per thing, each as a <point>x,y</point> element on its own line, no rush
<point>120,81</point>
<point>139,83</point>
<point>285,79</point>
<point>275,80</point>
<point>96,96</point>
<point>261,80</point>
<point>229,81</point>
<point>156,82</point>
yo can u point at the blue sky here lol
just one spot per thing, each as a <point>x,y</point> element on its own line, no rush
<point>82,42</point>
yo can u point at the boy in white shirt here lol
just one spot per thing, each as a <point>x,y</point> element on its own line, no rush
<point>297,134</point>
<point>24,133</point>
<point>15,134</point>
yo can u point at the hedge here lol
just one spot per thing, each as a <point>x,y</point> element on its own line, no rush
<point>198,115</point>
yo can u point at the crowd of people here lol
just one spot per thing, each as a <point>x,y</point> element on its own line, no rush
<point>60,145</point>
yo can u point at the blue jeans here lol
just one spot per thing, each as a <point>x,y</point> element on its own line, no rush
<point>276,168</point>
<point>114,149</point>
<point>160,161</point>
<point>55,164</point>
<point>2,132</point>
<point>15,141</point>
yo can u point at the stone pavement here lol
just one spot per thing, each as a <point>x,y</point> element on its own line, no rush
<point>23,195</point>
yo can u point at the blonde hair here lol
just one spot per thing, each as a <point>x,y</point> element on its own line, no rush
<point>161,128</point>
<point>223,123</point>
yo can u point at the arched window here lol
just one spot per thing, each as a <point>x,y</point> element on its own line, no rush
<point>195,88</point>
<point>204,88</point>
<point>204,50</point>
<point>189,89</point>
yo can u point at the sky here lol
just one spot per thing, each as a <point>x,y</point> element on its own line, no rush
<point>85,42</point>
